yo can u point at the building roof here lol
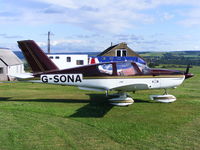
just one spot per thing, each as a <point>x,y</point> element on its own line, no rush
<point>120,45</point>
<point>76,53</point>
<point>66,54</point>
<point>107,50</point>
<point>9,58</point>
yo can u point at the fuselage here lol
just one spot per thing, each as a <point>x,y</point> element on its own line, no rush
<point>118,76</point>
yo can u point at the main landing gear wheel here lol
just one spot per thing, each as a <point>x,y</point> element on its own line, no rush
<point>122,100</point>
<point>165,98</point>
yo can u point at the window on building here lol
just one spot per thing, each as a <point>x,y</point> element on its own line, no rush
<point>121,53</point>
<point>51,57</point>
<point>79,62</point>
<point>124,53</point>
<point>1,70</point>
<point>118,53</point>
<point>57,57</point>
<point>68,59</point>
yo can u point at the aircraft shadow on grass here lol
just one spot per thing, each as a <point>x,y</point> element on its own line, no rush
<point>97,107</point>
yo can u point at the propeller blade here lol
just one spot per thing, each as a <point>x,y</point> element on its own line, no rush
<point>187,74</point>
<point>187,69</point>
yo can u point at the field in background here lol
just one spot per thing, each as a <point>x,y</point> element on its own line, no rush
<point>176,58</point>
<point>40,116</point>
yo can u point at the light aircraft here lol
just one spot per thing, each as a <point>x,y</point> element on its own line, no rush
<point>112,76</point>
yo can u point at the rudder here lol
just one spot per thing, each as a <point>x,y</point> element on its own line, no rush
<point>36,58</point>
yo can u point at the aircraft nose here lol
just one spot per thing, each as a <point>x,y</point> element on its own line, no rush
<point>188,75</point>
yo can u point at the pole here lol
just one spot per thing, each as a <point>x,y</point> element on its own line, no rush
<point>49,33</point>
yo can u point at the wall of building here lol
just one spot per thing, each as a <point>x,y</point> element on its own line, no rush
<point>16,69</point>
<point>3,72</point>
<point>9,64</point>
<point>64,61</point>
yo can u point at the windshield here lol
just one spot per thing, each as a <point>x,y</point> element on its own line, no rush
<point>143,68</point>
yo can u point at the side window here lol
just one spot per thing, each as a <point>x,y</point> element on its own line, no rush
<point>51,57</point>
<point>125,69</point>
<point>57,57</point>
<point>68,59</point>
<point>106,68</point>
<point>79,62</point>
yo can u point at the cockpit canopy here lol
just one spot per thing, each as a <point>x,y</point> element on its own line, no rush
<point>123,69</point>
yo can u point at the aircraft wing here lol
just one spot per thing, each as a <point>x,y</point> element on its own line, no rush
<point>131,87</point>
<point>90,89</point>
<point>124,88</point>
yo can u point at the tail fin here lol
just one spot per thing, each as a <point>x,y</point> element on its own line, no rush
<point>37,59</point>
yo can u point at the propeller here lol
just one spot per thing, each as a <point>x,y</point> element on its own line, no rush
<point>187,74</point>
<point>187,69</point>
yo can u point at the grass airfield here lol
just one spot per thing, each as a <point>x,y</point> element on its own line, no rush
<point>41,116</point>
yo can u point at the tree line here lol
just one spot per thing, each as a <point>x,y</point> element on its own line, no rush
<point>170,58</point>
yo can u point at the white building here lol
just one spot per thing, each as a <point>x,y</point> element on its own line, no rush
<point>64,61</point>
<point>9,64</point>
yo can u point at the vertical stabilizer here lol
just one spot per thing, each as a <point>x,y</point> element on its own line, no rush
<point>36,58</point>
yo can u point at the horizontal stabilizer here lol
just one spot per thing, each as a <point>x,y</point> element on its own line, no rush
<point>22,75</point>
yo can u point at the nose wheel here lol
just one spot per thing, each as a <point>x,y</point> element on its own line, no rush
<point>165,98</point>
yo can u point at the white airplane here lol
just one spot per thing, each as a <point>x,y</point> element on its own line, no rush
<point>113,76</point>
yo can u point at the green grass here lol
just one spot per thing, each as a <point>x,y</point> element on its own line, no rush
<point>41,116</point>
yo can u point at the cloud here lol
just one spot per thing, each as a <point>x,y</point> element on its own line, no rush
<point>128,38</point>
<point>113,16</point>
<point>192,18</point>
<point>68,45</point>
<point>99,16</point>
<point>168,16</point>
<point>106,16</point>
<point>59,42</point>
<point>52,10</point>
<point>10,36</point>
<point>101,21</point>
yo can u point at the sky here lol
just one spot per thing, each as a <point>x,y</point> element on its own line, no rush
<point>92,25</point>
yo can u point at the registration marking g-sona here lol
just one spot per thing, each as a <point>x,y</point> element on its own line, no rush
<point>61,78</point>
